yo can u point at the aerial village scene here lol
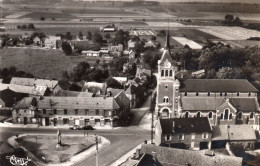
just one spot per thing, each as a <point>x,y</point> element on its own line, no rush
<point>129,83</point>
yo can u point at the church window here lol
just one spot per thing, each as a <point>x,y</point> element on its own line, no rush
<point>168,137</point>
<point>230,116</point>
<point>181,136</point>
<point>251,115</point>
<point>186,114</point>
<point>162,73</point>
<point>226,113</point>
<point>221,116</point>
<point>225,93</point>
<point>166,99</point>
<point>249,94</point>
<point>210,115</point>
<point>170,73</point>
<point>220,94</point>
<point>208,93</point>
<point>198,115</point>
<point>185,93</point>
<point>197,93</point>
<point>166,73</point>
<point>239,115</point>
<point>237,93</point>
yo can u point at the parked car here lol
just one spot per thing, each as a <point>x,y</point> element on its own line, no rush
<point>75,127</point>
<point>87,128</point>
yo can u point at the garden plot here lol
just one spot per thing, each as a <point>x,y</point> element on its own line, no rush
<point>142,33</point>
<point>17,15</point>
<point>190,43</point>
<point>230,33</point>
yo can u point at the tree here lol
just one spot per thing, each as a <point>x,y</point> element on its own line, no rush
<point>107,36</point>
<point>68,36</point>
<point>237,21</point>
<point>153,38</point>
<point>97,38</point>
<point>112,83</point>
<point>31,26</point>
<point>42,18</point>
<point>162,33</point>
<point>19,27</point>
<point>24,26</point>
<point>229,18</point>
<point>121,37</point>
<point>66,47</point>
<point>89,35</point>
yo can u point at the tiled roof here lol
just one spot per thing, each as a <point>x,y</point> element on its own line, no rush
<point>244,104</point>
<point>38,90</point>
<point>66,93</point>
<point>9,97</point>
<point>185,125</point>
<point>72,103</point>
<point>22,81</point>
<point>233,133</point>
<point>217,85</point>
<point>32,81</point>
<point>179,157</point>
<point>213,103</point>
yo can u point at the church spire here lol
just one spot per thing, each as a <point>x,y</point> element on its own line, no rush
<point>167,43</point>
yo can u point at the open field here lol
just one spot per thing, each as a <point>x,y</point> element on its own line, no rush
<point>230,33</point>
<point>184,41</point>
<point>39,62</point>
<point>45,146</point>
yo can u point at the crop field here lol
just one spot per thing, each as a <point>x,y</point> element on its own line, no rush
<point>97,11</point>
<point>47,15</point>
<point>39,62</point>
<point>184,41</point>
<point>142,33</point>
<point>230,33</point>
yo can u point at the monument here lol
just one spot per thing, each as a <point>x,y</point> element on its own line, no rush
<point>59,139</point>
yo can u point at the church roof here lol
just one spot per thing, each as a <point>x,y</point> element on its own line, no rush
<point>217,85</point>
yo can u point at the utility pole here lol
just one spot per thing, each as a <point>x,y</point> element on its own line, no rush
<point>96,138</point>
<point>152,120</point>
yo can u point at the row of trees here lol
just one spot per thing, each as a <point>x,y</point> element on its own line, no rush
<point>25,27</point>
<point>7,73</point>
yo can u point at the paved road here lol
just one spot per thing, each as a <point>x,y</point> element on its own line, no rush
<point>122,140</point>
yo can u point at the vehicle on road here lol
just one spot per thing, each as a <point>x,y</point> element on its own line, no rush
<point>87,128</point>
<point>75,127</point>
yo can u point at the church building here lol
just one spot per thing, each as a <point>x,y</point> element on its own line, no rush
<point>223,101</point>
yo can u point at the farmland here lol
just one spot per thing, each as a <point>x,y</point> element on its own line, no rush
<point>41,63</point>
<point>184,41</point>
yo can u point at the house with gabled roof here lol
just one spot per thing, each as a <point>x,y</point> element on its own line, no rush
<point>192,133</point>
<point>67,111</point>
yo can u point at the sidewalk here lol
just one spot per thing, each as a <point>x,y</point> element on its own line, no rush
<point>8,124</point>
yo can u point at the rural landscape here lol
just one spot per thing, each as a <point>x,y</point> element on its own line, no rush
<point>130,82</point>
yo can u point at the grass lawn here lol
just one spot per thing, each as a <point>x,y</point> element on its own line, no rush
<point>45,146</point>
<point>39,62</point>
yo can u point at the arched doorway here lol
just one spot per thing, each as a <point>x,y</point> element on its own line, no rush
<point>165,113</point>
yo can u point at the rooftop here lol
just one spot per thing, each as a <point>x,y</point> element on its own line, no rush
<point>185,125</point>
<point>107,103</point>
<point>172,157</point>
<point>217,85</point>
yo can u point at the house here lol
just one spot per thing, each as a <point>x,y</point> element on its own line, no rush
<point>132,54</point>
<point>198,74</point>
<point>91,53</point>
<point>52,42</point>
<point>51,84</point>
<point>67,111</point>
<point>8,98</point>
<point>29,90</point>
<point>37,41</point>
<point>118,48</point>
<point>66,85</point>
<point>131,44</point>
<point>108,28</point>
<point>121,80</point>
<point>223,101</point>
<point>234,134</point>
<point>149,44</point>
<point>128,65</point>
<point>95,87</point>
<point>67,93</point>
<point>193,133</point>
<point>165,156</point>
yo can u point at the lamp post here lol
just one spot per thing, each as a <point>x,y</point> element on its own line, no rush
<point>96,139</point>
